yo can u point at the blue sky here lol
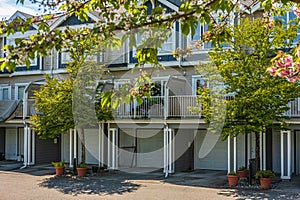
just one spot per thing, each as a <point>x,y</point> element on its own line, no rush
<point>9,7</point>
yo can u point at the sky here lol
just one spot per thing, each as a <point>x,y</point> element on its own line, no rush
<point>9,7</point>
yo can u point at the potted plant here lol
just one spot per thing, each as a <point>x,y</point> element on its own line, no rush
<point>59,167</point>
<point>232,178</point>
<point>242,172</point>
<point>81,169</point>
<point>265,177</point>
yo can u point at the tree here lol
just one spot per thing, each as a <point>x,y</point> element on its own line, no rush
<point>259,100</point>
<point>61,111</point>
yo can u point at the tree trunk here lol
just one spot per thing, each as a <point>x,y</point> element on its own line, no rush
<point>82,145</point>
<point>257,152</point>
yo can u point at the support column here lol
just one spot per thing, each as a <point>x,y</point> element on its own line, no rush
<point>75,143</point>
<point>228,155</point>
<point>99,146</point>
<point>264,166</point>
<point>71,148</point>
<point>261,150</point>
<point>25,144</point>
<point>286,152</point>
<point>234,154</point>
<point>29,146</point>
<point>33,147</point>
<point>112,148</point>
<point>169,151</point>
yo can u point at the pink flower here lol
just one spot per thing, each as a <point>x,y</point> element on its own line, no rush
<point>292,79</point>
<point>297,11</point>
<point>298,65</point>
<point>288,61</point>
<point>272,70</point>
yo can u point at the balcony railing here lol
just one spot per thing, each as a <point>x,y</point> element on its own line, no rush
<point>158,107</point>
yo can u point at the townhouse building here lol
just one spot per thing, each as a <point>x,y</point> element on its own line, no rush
<point>163,133</point>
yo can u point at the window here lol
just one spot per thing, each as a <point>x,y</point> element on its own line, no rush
<point>19,91</point>
<point>285,19</point>
<point>198,82</point>
<point>5,92</point>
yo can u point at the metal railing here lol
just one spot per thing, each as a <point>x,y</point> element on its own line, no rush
<point>158,107</point>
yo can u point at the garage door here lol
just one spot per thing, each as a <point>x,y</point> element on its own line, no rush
<point>150,148</point>
<point>47,150</point>
<point>216,159</point>
<point>11,144</point>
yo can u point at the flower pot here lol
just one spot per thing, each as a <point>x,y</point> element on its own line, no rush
<point>81,171</point>
<point>232,180</point>
<point>265,183</point>
<point>59,171</point>
<point>242,173</point>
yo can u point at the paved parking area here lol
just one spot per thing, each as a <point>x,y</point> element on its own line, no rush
<point>38,182</point>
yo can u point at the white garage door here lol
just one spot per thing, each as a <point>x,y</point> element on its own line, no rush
<point>11,144</point>
<point>92,145</point>
<point>150,148</point>
<point>216,158</point>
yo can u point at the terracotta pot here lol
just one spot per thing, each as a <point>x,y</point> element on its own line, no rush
<point>233,180</point>
<point>59,171</point>
<point>81,171</point>
<point>265,183</point>
<point>242,174</point>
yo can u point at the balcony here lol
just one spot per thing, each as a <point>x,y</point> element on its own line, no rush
<point>158,107</point>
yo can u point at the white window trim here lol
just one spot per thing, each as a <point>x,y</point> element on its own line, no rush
<point>195,78</point>
<point>1,91</point>
<point>17,85</point>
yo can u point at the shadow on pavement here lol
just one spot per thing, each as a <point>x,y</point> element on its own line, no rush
<point>89,185</point>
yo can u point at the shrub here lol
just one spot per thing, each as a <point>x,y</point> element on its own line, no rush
<point>59,164</point>
<point>264,174</point>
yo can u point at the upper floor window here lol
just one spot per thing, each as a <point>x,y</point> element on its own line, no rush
<point>285,20</point>
<point>19,91</point>
<point>5,92</point>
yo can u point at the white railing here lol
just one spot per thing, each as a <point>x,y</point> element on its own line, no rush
<point>294,110</point>
<point>152,107</point>
<point>181,106</point>
<point>157,107</point>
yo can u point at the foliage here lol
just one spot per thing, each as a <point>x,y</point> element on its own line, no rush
<point>259,99</point>
<point>264,174</point>
<point>54,101</point>
<point>81,165</point>
<point>242,168</point>
<point>59,164</point>
<point>233,173</point>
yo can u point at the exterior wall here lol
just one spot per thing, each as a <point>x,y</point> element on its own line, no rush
<point>11,144</point>
<point>2,142</point>
<point>276,151</point>
<point>216,159</point>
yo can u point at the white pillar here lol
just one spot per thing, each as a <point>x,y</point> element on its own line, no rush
<point>99,146</point>
<point>71,148</point>
<point>166,151</point>
<point>289,154</point>
<point>25,145</point>
<point>282,154</point>
<point>102,145</point>
<point>234,154</point>
<point>288,151</point>
<point>75,143</point>
<point>228,155</point>
<point>112,148</point>
<point>264,152</point>
<point>29,145</point>
<point>33,147</point>
<point>261,150</point>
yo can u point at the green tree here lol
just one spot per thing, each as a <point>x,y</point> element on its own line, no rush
<point>260,100</point>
